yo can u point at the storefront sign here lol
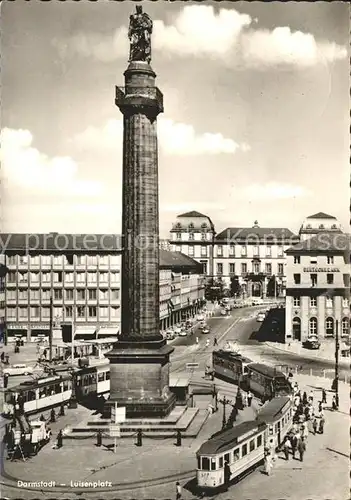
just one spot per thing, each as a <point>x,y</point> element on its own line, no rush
<point>321,270</point>
<point>40,327</point>
<point>16,327</point>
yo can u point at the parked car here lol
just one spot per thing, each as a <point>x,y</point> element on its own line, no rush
<point>183,333</point>
<point>223,312</point>
<point>311,343</point>
<point>18,370</point>
<point>206,329</point>
<point>200,317</point>
<point>256,301</point>
<point>177,330</point>
<point>260,317</point>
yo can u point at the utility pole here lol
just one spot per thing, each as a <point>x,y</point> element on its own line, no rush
<point>225,402</point>
<point>337,347</point>
<point>51,327</point>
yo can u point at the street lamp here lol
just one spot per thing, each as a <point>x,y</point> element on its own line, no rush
<point>225,402</point>
<point>336,379</point>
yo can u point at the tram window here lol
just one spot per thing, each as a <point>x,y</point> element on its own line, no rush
<point>93,378</point>
<point>271,430</point>
<point>227,457</point>
<point>57,389</point>
<point>42,392</point>
<point>246,369</point>
<point>213,464</point>
<point>236,454</point>
<point>107,375</point>
<point>244,450</point>
<point>31,396</point>
<point>66,385</point>
<point>252,445</point>
<point>199,462</point>
<point>220,462</point>
<point>100,377</point>
<point>205,463</point>
<point>259,440</point>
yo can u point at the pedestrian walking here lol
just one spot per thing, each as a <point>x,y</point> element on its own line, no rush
<point>296,388</point>
<point>52,416</point>
<point>324,396</point>
<point>315,425</point>
<point>215,341</point>
<point>301,448</point>
<point>178,491</point>
<point>197,340</point>
<point>321,425</point>
<point>286,448</point>
<point>7,359</point>
<point>2,357</point>
<point>6,380</point>
<point>311,396</point>
<point>249,399</point>
<point>99,439</point>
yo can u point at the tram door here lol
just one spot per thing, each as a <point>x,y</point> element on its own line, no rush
<point>279,433</point>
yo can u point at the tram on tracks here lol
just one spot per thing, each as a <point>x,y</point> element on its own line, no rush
<point>242,448</point>
<point>48,392</point>
<point>266,382</point>
<point>230,365</point>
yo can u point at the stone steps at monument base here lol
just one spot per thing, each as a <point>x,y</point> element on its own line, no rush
<point>189,424</point>
<point>171,419</point>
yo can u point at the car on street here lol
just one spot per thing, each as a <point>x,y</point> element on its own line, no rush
<point>177,330</point>
<point>200,317</point>
<point>223,312</point>
<point>311,343</point>
<point>205,329</point>
<point>170,335</point>
<point>19,369</point>
<point>260,317</point>
<point>182,333</point>
<point>257,301</point>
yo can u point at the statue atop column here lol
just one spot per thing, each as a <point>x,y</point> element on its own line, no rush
<point>139,34</point>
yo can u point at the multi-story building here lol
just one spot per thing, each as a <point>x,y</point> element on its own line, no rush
<point>193,234</point>
<point>2,296</point>
<point>318,287</point>
<point>252,254</point>
<point>77,278</point>
<point>317,224</point>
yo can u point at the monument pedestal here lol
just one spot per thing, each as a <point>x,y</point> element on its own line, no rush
<point>140,371</point>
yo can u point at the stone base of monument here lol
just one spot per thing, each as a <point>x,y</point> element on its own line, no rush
<point>189,421</point>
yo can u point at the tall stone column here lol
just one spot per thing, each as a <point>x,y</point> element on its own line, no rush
<point>139,362</point>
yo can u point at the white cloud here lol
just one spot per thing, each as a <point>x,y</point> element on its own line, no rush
<point>271,191</point>
<point>174,139</point>
<point>282,46</point>
<point>26,167</point>
<point>200,30</point>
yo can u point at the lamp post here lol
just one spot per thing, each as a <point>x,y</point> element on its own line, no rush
<point>3,272</point>
<point>336,379</point>
<point>225,402</point>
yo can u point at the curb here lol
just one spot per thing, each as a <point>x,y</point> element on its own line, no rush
<point>307,356</point>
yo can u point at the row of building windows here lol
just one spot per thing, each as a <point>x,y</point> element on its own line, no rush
<point>59,277</point>
<point>256,268</point>
<point>329,326</point>
<point>233,251</point>
<point>48,260</point>
<point>314,279</point>
<point>59,294</point>
<point>313,302</point>
<point>36,312</point>
<point>329,260</point>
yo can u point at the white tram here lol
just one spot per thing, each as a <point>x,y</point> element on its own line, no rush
<point>278,415</point>
<point>40,394</point>
<point>242,447</point>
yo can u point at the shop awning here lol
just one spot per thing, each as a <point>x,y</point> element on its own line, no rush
<point>108,330</point>
<point>85,330</point>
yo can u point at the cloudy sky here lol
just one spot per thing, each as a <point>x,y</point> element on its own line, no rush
<point>256,112</point>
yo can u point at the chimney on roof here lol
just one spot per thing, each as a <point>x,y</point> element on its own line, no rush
<point>256,224</point>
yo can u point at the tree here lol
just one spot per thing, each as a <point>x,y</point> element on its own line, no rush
<point>235,287</point>
<point>271,287</point>
<point>214,289</point>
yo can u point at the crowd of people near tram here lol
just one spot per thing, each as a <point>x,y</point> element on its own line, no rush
<point>309,418</point>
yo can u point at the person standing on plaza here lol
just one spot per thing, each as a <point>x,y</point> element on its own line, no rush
<point>286,448</point>
<point>334,407</point>
<point>315,426</point>
<point>324,396</point>
<point>268,464</point>
<point>321,425</point>
<point>304,398</point>
<point>59,439</point>
<point>249,398</point>
<point>311,396</point>
<point>294,442</point>
<point>227,474</point>
<point>295,388</point>
<point>197,340</point>
<point>301,448</point>
<point>178,491</point>
<point>215,342</point>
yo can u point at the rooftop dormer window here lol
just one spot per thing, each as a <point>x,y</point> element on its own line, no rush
<point>333,226</point>
<point>321,226</point>
<point>191,225</point>
<point>308,226</point>
<point>204,226</point>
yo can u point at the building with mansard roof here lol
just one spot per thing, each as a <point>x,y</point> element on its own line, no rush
<point>318,287</point>
<point>318,223</point>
